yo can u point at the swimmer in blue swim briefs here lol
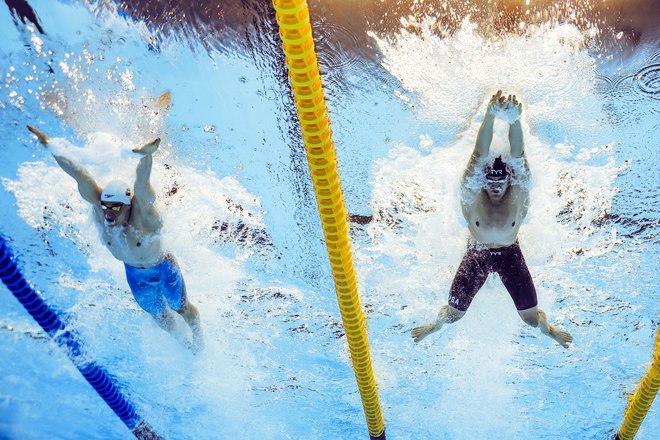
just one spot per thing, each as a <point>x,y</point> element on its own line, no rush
<point>130,228</point>
<point>495,207</point>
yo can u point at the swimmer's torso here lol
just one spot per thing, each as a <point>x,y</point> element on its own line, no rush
<point>496,225</point>
<point>131,245</point>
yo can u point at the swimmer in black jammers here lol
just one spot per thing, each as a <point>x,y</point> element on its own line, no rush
<point>494,203</point>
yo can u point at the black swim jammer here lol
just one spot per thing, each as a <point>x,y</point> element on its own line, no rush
<point>477,264</point>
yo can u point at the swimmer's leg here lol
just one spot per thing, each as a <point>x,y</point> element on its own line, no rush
<point>537,318</point>
<point>190,314</point>
<point>165,319</point>
<point>176,294</point>
<point>144,284</point>
<point>470,276</point>
<point>447,315</point>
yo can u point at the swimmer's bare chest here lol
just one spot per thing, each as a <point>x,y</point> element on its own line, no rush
<point>494,225</point>
<point>132,246</point>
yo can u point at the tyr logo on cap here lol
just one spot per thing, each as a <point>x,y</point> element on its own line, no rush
<point>498,170</point>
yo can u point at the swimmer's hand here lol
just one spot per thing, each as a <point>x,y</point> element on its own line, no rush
<point>164,100</point>
<point>512,107</point>
<point>149,148</point>
<point>508,108</point>
<point>495,104</point>
<point>40,135</point>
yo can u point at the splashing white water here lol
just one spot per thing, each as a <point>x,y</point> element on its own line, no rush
<point>552,72</point>
<point>419,236</point>
<point>275,364</point>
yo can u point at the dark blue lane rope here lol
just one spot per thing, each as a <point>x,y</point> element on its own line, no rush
<point>68,339</point>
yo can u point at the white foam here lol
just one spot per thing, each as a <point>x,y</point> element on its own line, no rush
<point>418,245</point>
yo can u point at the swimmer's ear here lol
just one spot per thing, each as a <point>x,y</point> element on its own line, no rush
<point>149,148</point>
<point>40,135</point>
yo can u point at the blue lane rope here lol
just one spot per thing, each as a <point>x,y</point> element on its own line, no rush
<point>68,339</point>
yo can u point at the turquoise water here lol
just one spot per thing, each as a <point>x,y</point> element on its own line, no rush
<point>241,219</point>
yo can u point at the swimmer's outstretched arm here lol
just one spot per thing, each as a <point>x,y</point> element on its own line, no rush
<point>485,135</point>
<point>145,196</point>
<point>517,145</point>
<point>515,130</point>
<point>87,186</point>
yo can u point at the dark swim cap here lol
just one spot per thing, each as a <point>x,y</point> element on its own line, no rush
<point>497,171</point>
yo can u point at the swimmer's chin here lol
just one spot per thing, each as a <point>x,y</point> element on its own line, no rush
<point>496,197</point>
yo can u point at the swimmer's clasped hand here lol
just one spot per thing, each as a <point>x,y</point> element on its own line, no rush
<point>513,107</point>
<point>495,103</point>
<point>508,108</point>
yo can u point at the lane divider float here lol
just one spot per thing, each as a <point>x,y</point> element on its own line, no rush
<point>298,44</point>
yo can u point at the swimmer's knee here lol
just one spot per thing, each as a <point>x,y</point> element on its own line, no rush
<point>183,310</point>
<point>188,309</point>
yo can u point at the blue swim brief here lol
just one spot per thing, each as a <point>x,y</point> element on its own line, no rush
<point>158,287</point>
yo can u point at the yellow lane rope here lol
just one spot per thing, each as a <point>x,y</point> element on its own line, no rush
<point>296,32</point>
<point>641,400</point>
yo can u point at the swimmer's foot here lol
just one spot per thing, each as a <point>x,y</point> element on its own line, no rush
<point>563,337</point>
<point>419,333</point>
<point>197,344</point>
<point>446,315</point>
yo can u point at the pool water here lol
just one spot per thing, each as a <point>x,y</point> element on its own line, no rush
<point>240,217</point>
